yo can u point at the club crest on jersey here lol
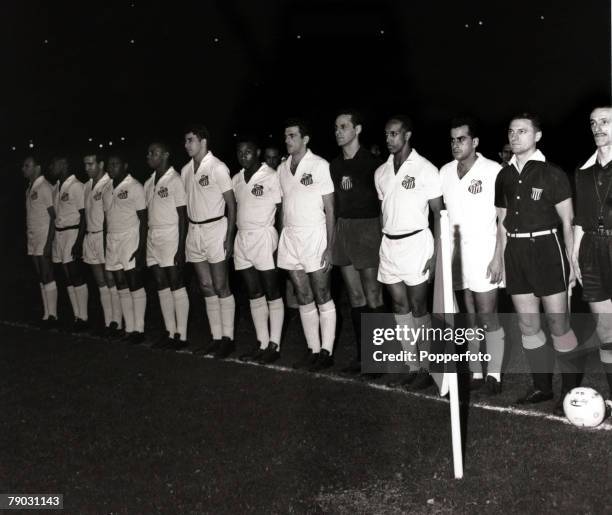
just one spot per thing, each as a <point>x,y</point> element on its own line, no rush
<point>258,190</point>
<point>97,195</point>
<point>64,196</point>
<point>34,195</point>
<point>475,186</point>
<point>163,192</point>
<point>123,194</point>
<point>204,180</point>
<point>306,179</point>
<point>536,193</point>
<point>408,182</point>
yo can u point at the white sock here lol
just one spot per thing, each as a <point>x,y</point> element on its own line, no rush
<point>82,295</point>
<point>213,312</point>
<point>45,303</point>
<point>260,313</point>
<point>105,300</point>
<point>327,319</point>
<point>408,345</point>
<point>181,307</point>
<point>51,294</point>
<point>166,302</point>
<point>127,306</point>
<point>73,301</point>
<point>276,309</point>
<point>309,314</point>
<point>474,348</point>
<point>115,306</point>
<point>228,310</point>
<point>495,347</point>
<point>139,298</point>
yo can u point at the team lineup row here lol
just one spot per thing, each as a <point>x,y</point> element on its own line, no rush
<point>513,227</point>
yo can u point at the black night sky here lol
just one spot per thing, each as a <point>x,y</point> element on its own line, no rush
<point>142,70</point>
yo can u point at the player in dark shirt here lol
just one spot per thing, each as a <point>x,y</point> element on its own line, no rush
<point>533,198</point>
<point>358,233</point>
<point>592,256</point>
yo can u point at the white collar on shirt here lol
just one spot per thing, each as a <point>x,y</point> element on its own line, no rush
<point>590,162</point>
<point>536,156</point>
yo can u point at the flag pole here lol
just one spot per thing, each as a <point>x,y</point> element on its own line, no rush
<point>451,379</point>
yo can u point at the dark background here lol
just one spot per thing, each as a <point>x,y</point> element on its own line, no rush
<point>72,72</point>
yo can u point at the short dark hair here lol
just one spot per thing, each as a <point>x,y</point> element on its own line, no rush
<point>97,153</point>
<point>162,145</point>
<point>533,118</point>
<point>472,124</point>
<point>35,159</point>
<point>117,155</point>
<point>272,146</point>
<point>300,124</point>
<point>404,120</point>
<point>248,138</point>
<point>198,130</point>
<point>356,117</point>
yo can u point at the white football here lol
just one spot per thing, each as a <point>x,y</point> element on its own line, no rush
<point>584,407</point>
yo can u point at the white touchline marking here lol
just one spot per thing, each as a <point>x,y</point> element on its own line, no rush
<point>605,426</point>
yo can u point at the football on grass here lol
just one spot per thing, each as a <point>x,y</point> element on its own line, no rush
<point>584,407</point>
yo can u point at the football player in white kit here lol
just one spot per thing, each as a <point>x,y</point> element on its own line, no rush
<point>68,241</point>
<point>125,233</point>
<point>304,248</point>
<point>210,237</point>
<point>40,225</point>
<point>468,187</point>
<point>408,186</point>
<point>258,195</point>
<point>167,216</point>
<point>93,243</point>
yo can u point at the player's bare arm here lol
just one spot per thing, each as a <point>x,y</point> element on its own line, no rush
<point>50,233</point>
<point>436,205</point>
<point>77,248</point>
<point>278,218</point>
<point>578,234</point>
<point>495,270</point>
<point>228,243</point>
<point>179,258</point>
<point>330,223</point>
<point>565,210</point>
<point>139,253</point>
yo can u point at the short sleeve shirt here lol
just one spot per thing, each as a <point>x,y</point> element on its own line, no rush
<point>257,199</point>
<point>303,192</point>
<point>121,203</point>
<point>164,197</point>
<point>69,200</point>
<point>359,200</point>
<point>94,205</point>
<point>593,191</point>
<point>530,196</point>
<point>205,188</point>
<point>470,201</point>
<point>405,195</point>
<point>39,198</point>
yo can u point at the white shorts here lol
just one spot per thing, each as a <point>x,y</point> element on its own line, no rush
<point>301,248</point>
<point>162,245</point>
<point>62,245</point>
<point>470,265</point>
<point>205,242</point>
<point>93,248</point>
<point>120,246</point>
<point>37,238</point>
<point>403,260</point>
<point>255,248</point>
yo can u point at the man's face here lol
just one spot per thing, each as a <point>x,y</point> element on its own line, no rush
<point>272,157</point>
<point>294,141</point>
<point>463,146</point>
<point>506,153</point>
<point>522,136</point>
<point>155,156</point>
<point>29,168</point>
<point>115,167</point>
<point>193,144</point>
<point>345,131</point>
<point>58,168</point>
<point>248,155</point>
<point>92,167</point>
<point>601,126</point>
<point>396,136</point>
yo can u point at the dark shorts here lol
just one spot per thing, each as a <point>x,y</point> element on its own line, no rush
<point>357,242</point>
<point>595,261</point>
<point>536,265</point>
